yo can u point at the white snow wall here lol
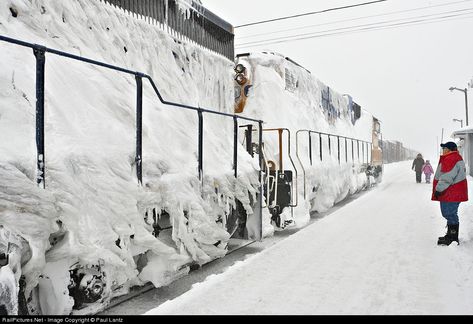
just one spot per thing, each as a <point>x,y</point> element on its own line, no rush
<point>91,184</point>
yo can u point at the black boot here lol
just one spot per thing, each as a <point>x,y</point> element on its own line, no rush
<point>451,236</point>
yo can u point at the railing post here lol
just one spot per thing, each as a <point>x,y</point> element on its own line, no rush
<point>39,53</point>
<point>201,145</point>
<point>371,151</point>
<point>358,149</point>
<point>261,191</point>
<point>367,152</point>
<point>346,150</point>
<point>329,146</point>
<point>363,152</point>
<point>139,128</point>
<point>353,151</point>
<point>338,141</point>
<point>281,166</point>
<point>299,159</point>
<point>249,140</point>
<point>310,147</point>
<point>235,145</point>
<point>320,147</point>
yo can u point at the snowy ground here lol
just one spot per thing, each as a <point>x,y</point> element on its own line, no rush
<point>376,255</point>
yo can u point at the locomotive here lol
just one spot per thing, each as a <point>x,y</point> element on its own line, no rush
<point>394,151</point>
<point>310,130</point>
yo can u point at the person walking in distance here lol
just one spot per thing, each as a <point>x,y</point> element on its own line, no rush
<point>450,188</point>
<point>428,171</point>
<point>417,167</point>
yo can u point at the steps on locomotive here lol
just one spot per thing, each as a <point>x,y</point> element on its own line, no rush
<point>280,196</point>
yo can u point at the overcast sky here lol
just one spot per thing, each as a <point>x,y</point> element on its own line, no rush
<point>401,75</point>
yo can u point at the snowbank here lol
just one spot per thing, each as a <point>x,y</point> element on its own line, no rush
<point>377,255</point>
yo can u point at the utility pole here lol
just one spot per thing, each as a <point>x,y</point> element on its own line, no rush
<point>465,91</point>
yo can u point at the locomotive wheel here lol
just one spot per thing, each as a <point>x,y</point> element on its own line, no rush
<point>87,286</point>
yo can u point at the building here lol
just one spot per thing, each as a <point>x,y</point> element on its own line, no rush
<point>465,137</point>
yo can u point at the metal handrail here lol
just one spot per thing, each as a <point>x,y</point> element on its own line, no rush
<point>329,135</point>
<point>120,69</point>
<point>268,176</point>
<point>40,51</point>
<point>138,75</point>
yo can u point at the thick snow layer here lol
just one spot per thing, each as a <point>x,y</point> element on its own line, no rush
<point>53,293</point>
<point>91,185</point>
<point>8,290</point>
<point>376,255</point>
<point>299,106</point>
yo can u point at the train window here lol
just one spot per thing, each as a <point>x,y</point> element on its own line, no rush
<point>291,81</point>
<point>357,110</point>
<point>326,98</point>
<point>377,127</point>
<point>248,90</point>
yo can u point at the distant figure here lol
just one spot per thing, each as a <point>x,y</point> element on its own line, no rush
<point>417,167</point>
<point>428,171</point>
<point>450,188</point>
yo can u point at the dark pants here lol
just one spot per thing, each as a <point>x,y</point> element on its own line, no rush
<point>419,177</point>
<point>450,212</point>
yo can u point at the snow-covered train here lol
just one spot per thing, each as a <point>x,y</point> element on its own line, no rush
<point>92,231</point>
<point>319,146</point>
<point>394,151</point>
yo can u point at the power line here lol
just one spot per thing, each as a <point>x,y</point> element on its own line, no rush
<point>310,13</point>
<point>393,26</point>
<point>354,19</point>
<point>355,29</point>
<point>356,26</point>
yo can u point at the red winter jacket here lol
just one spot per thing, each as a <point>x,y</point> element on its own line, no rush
<point>450,179</point>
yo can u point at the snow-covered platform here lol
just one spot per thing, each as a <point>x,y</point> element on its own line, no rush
<point>376,255</point>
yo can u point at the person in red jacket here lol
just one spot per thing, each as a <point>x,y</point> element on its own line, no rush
<point>450,188</point>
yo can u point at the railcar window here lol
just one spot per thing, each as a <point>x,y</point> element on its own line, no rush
<point>291,81</point>
<point>326,98</point>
